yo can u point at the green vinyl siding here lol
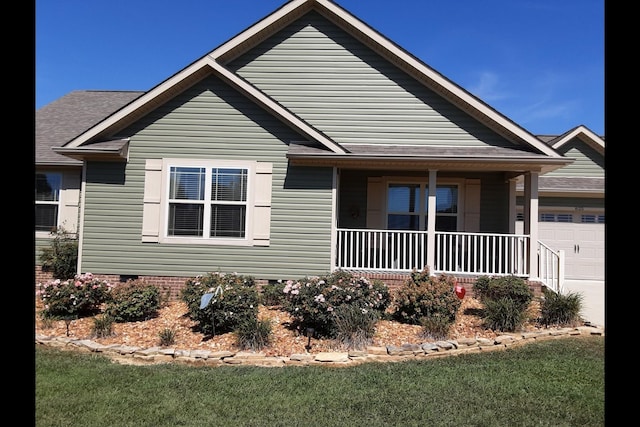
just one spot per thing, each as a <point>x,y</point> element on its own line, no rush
<point>494,204</point>
<point>351,93</point>
<point>208,121</point>
<point>588,162</point>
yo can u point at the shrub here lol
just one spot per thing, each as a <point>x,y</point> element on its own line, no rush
<point>102,326</point>
<point>253,333</point>
<point>560,309</point>
<point>133,301</point>
<point>435,327</point>
<point>61,257</point>
<point>504,314</point>
<point>311,301</point>
<point>272,294</point>
<point>354,326</point>
<point>234,299</point>
<point>427,301</point>
<point>495,288</point>
<point>79,297</point>
<point>167,337</point>
<point>506,300</point>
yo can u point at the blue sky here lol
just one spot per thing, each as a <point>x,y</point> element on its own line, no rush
<point>539,62</point>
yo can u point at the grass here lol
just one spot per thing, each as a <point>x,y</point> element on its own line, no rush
<point>549,383</point>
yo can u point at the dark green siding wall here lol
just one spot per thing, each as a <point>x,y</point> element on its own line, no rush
<point>353,94</point>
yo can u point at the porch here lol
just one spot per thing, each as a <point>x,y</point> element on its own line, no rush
<point>454,253</point>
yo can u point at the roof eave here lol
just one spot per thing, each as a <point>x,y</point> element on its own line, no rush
<point>432,162</point>
<point>116,154</point>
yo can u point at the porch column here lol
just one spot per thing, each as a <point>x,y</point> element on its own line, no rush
<point>513,214</point>
<point>531,220</point>
<point>431,222</point>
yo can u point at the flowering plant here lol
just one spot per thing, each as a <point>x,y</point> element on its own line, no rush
<point>313,301</point>
<point>81,296</point>
<point>234,299</point>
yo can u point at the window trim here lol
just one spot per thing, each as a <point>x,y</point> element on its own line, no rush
<point>57,203</point>
<point>424,183</point>
<point>250,166</point>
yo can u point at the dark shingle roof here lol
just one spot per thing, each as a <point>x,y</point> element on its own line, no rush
<point>67,117</point>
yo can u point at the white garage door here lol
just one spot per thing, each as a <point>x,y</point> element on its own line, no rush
<point>582,242</point>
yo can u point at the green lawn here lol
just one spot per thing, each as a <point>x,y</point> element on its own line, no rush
<point>549,383</point>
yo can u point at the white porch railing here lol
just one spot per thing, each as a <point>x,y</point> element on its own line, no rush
<point>489,254</point>
<point>551,267</point>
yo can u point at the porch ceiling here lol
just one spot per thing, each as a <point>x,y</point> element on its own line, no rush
<point>411,157</point>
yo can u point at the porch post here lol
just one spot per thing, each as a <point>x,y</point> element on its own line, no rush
<point>531,220</point>
<point>513,215</point>
<point>431,222</point>
<point>334,219</point>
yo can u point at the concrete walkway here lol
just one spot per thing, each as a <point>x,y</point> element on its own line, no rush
<point>593,302</point>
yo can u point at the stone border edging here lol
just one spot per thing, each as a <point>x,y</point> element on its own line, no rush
<point>154,355</point>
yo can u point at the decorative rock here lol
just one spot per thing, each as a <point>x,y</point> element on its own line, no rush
<point>503,339</point>
<point>394,350</point>
<point>301,357</point>
<point>377,350</point>
<point>430,348</point>
<point>447,345</point>
<point>372,353</point>
<point>467,342</point>
<point>332,356</point>
<point>200,354</point>
<point>220,354</point>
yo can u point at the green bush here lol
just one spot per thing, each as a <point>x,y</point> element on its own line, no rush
<point>427,301</point>
<point>354,326</point>
<point>235,299</point>
<point>253,334</point>
<point>133,301</point>
<point>560,309</point>
<point>79,297</point>
<point>311,301</point>
<point>504,315</point>
<point>495,288</point>
<point>61,257</point>
<point>506,300</point>
<point>272,294</point>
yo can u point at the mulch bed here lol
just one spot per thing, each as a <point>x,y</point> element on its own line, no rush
<point>285,340</point>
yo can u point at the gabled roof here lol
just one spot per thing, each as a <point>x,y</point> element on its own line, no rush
<point>213,63</point>
<point>65,118</point>
<point>584,134</point>
<point>198,70</point>
<point>389,50</point>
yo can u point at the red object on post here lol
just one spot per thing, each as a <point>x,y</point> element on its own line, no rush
<point>460,291</point>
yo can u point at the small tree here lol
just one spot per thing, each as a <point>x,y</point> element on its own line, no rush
<point>61,257</point>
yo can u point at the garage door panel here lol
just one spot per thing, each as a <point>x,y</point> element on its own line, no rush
<point>583,245</point>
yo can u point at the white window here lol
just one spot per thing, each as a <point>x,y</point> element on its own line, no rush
<point>47,200</point>
<point>407,206</point>
<point>218,202</point>
<point>207,202</point>
<point>592,219</point>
